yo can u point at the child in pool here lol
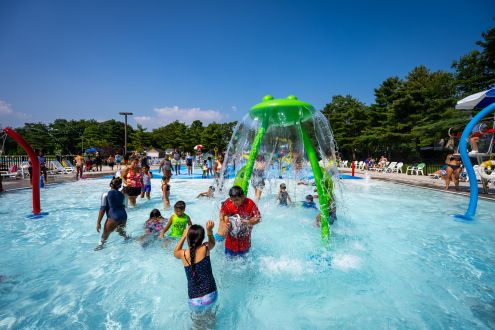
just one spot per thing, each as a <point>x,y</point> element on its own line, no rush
<point>166,191</point>
<point>309,203</point>
<point>202,289</point>
<point>208,194</point>
<point>332,215</point>
<point>177,222</point>
<point>147,175</point>
<point>205,170</point>
<point>154,225</point>
<point>283,195</point>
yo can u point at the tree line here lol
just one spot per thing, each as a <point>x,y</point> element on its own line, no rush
<point>410,115</point>
<point>68,137</point>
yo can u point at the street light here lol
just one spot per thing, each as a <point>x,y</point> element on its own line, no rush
<point>125,114</point>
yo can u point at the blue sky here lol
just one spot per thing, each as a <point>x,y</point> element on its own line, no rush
<point>213,60</point>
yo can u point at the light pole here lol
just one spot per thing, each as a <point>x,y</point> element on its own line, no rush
<point>125,114</point>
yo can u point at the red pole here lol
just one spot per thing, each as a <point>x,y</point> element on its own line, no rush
<point>35,177</point>
<point>353,166</point>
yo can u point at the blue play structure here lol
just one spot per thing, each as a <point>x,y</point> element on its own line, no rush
<point>479,100</point>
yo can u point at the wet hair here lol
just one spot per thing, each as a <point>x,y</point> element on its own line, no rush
<point>212,188</point>
<point>309,197</point>
<point>180,205</point>
<point>116,182</point>
<point>195,237</point>
<point>236,191</point>
<point>155,213</point>
<point>283,186</point>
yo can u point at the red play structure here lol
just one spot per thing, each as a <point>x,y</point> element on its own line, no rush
<point>35,177</point>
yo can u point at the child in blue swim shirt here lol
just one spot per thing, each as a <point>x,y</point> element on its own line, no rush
<point>309,203</point>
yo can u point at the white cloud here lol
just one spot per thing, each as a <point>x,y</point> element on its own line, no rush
<point>234,108</point>
<point>9,117</point>
<point>166,115</point>
<point>5,108</point>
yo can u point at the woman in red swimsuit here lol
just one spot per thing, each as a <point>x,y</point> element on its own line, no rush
<point>133,181</point>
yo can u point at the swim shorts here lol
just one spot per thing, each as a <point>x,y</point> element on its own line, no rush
<point>204,302</point>
<point>147,188</point>
<point>132,191</point>
<point>231,253</point>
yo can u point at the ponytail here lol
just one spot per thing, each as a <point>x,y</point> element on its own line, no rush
<point>195,237</point>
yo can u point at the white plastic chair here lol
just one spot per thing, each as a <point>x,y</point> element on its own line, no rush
<point>398,168</point>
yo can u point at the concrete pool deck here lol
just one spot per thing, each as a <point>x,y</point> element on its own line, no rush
<point>423,181</point>
<point>413,180</point>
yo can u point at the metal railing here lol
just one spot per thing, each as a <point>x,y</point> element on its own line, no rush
<point>7,161</point>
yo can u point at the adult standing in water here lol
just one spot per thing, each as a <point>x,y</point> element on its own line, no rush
<point>42,160</point>
<point>133,181</point>
<point>112,204</point>
<point>238,215</point>
<point>218,168</point>
<point>79,160</point>
<point>98,161</point>
<point>176,157</point>
<point>454,163</point>
<point>118,161</point>
<point>258,176</point>
<point>189,163</point>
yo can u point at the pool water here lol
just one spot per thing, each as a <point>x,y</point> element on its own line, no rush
<point>397,259</point>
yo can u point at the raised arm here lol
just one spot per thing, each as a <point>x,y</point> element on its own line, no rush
<point>167,226</point>
<point>189,222</point>
<point>209,231</point>
<point>178,247</point>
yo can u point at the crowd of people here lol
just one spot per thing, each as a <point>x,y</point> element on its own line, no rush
<point>237,217</point>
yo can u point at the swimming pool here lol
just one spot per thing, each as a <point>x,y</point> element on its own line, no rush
<point>397,260</point>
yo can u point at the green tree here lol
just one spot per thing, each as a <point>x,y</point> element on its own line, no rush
<point>475,71</point>
<point>348,117</point>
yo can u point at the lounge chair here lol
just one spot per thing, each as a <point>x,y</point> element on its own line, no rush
<point>59,168</point>
<point>391,167</point>
<point>12,172</point>
<point>67,164</point>
<point>398,168</point>
<point>388,167</point>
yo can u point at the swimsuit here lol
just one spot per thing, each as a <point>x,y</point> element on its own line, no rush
<point>283,198</point>
<point>257,179</point>
<point>309,205</point>
<point>154,227</point>
<point>178,225</point>
<point>201,286</point>
<point>146,183</point>
<point>133,183</point>
<point>112,203</point>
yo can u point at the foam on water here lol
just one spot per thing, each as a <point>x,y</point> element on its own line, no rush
<point>397,259</point>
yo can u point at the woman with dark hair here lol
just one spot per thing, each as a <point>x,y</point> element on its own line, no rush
<point>201,285</point>
<point>112,203</point>
<point>454,163</point>
<point>133,181</point>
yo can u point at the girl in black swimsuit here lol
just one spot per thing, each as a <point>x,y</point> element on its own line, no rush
<point>453,162</point>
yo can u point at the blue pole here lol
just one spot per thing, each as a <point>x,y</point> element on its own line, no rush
<point>473,183</point>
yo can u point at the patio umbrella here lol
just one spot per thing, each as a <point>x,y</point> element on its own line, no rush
<point>478,100</point>
<point>198,146</point>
